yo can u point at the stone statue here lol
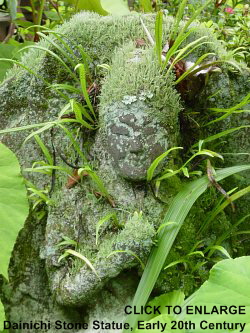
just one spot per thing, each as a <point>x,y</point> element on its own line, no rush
<point>139,118</point>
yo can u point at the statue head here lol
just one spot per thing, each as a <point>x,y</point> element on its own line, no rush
<point>134,140</point>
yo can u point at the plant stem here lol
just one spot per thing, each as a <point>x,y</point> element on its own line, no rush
<point>40,12</point>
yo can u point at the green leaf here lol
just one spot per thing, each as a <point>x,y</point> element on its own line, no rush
<point>44,149</point>
<point>9,51</point>
<point>80,111</point>
<point>178,18</point>
<point>93,6</point>
<point>228,284</point>
<point>12,61</point>
<point>67,241</point>
<point>189,71</point>
<point>23,128</point>
<point>163,225</point>
<point>221,207</point>
<point>195,15</point>
<point>176,44</point>
<point>220,134</point>
<point>53,16</point>
<point>185,172</point>
<point>82,74</point>
<point>83,258</point>
<point>6,51</point>
<point>155,163</point>
<point>229,111</point>
<point>182,52</point>
<point>59,48</point>
<point>218,248</point>
<point>74,142</point>
<point>102,221</point>
<point>174,263</point>
<point>61,86</point>
<point>53,54</point>
<point>13,205</point>
<point>146,6</point>
<point>96,179</point>
<point>128,252</point>
<point>171,299</point>
<point>117,7</point>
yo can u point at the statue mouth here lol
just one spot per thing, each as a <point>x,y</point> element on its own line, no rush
<point>133,167</point>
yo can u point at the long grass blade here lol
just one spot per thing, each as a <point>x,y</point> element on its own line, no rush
<point>78,111</point>
<point>85,259</point>
<point>82,74</point>
<point>97,180</point>
<point>217,248</point>
<point>175,46</point>
<point>61,86</point>
<point>44,149</point>
<point>24,128</point>
<point>181,53</point>
<point>74,143</point>
<point>189,71</point>
<point>178,18</point>
<point>128,252</point>
<point>227,233</point>
<point>40,130</point>
<point>229,111</point>
<point>221,207</point>
<point>221,134</point>
<point>158,36</point>
<point>59,48</point>
<point>26,68</point>
<point>65,44</point>
<point>101,222</point>
<point>53,54</point>
<point>155,163</point>
<point>195,15</point>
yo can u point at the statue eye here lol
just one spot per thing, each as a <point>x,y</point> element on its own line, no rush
<point>121,134</point>
<point>121,131</point>
<point>149,130</point>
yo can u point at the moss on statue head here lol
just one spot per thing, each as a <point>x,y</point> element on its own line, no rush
<point>136,76</point>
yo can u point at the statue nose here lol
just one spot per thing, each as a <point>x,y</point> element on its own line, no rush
<point>135,146</point>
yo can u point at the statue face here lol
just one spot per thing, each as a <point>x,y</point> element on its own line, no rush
<point>134,141</point>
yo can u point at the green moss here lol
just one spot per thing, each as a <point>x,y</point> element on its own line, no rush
<point>137,236</point>
<point>136,76</point>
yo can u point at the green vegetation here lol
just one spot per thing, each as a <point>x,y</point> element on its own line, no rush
<point>228,280</point>
<point>177,212</point>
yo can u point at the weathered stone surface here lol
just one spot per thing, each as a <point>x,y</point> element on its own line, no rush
<point>139,112</point>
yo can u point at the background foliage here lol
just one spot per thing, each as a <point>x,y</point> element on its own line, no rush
<point>228,18</point>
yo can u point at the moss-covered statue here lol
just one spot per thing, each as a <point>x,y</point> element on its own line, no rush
<point>111,221</point>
